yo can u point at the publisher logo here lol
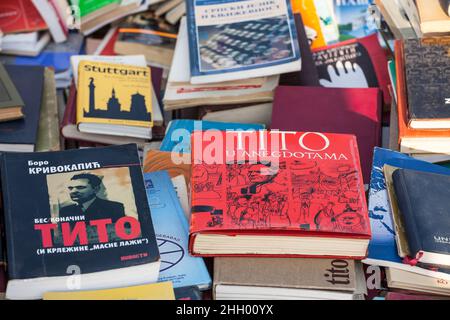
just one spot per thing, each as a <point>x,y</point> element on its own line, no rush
<point>74,280</point>
<point>447,100</point>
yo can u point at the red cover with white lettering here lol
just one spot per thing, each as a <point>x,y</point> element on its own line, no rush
<point>20,16</point>
<point>277,183</point>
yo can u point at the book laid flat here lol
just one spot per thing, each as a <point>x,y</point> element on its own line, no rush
<point>232,40</point>
<point>86,214</point>
<point>401,279</point>
<point>180,93</point>
<point>21,134</point>
<point>297,194</point>
<point>434,19</point>
<point>172,234</point>
<point>428,85</point>
<point>397,217</point>
<point>415,140</point>
<point>383,247</point>
<point>245,278</point>
<point>48,138</point>
<point>23,45</point>
<point>423,200</point>
<point>20,16</point>
<point>178,133</point>
<point>156,160</point>
<point>338,110</point>
<point>114,99</point>
<point>146,34</point>
<point>355,63</point>
<point>153,291</point>
<point>11,102</point>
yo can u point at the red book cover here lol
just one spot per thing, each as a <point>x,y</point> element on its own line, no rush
<point>336,110</point>
<point>355,63</point>
<point>277,183</point>
<point>20,16</point>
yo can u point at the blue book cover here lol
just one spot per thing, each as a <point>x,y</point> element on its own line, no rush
<point>383,246</point>
<point>172,234</point>
<point>354,19</point>
<point>178,134</point>
<point>55,55</point>
<point>229,36</point>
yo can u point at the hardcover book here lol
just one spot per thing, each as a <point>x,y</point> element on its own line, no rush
<point>382,247</point>
<point>428,84</point>
<point>244,278</point>
<point>153,291</point>
<point>114,99</point>
<point>276,193</point>
<point>86,220</point>
<point>172,231</point>
<point>415,140</point>
<point>11,102</point>
<point>231,40</point>
<point>356,63</point>
<point>339,110</point>
<point>434,17</point>
<point>20,16</point>
<point>21,134</point>
<point>423,199</point>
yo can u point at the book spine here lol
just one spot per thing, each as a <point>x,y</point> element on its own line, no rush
<point>405,205</point>
<point>8,215</point>
<point>190,17</point>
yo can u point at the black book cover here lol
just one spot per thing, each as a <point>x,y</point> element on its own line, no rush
<point>423,199</point>
<point>29,81</point>
<point>308,75</point>
<point>85,207</point>
<point>427,69</point>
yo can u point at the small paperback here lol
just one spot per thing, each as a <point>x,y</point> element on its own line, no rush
<point>114,99</point>
<point>85,223</point>
<point>233,40</point>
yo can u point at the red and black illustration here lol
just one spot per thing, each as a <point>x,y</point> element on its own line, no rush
<point>294,194</point>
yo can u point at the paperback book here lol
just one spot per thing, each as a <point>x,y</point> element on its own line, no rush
<point>86,215</point>
<point>231,40</point>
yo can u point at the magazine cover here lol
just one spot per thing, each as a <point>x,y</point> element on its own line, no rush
<point>354,18</point>
<point>226,37</point>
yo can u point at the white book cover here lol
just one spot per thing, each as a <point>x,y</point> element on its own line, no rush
<point>241,39</point>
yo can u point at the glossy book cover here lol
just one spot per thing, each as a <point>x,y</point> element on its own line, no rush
<point>274,182</point>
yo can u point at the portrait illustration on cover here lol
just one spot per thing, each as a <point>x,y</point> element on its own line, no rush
<point>92,195</point>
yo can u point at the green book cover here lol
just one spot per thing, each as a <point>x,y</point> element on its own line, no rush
<point>89,6</point>
<point>9,97</point>
<point>393,77</point>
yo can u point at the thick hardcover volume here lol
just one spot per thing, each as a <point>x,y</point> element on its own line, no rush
<point>29,81</point>
<point>84,207</point>
<point>277,183</point>
<point>20,16</point>
<point>114,94</point>
<point>227,37</point>
<point>423,200</point>
<point>356,63</point>
<point>172,231</point>
<point>427,62</point>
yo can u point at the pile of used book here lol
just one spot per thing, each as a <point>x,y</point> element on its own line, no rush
<point>225,149</point>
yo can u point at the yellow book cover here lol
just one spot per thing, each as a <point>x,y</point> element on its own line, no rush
<point>114,94</point>
<point>154,291</point>
<point>311,20</point>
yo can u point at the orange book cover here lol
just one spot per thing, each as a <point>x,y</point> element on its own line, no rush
<point>311,21</point>
<point>403,129</point>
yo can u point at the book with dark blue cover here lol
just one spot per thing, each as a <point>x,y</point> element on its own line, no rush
<point>424,201</point>
<point>239,39</point>
<point>178,133</point>
<point>21,134</point>
<point>382,247</point>
<point>77,217</point>
<point>172,234</point>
